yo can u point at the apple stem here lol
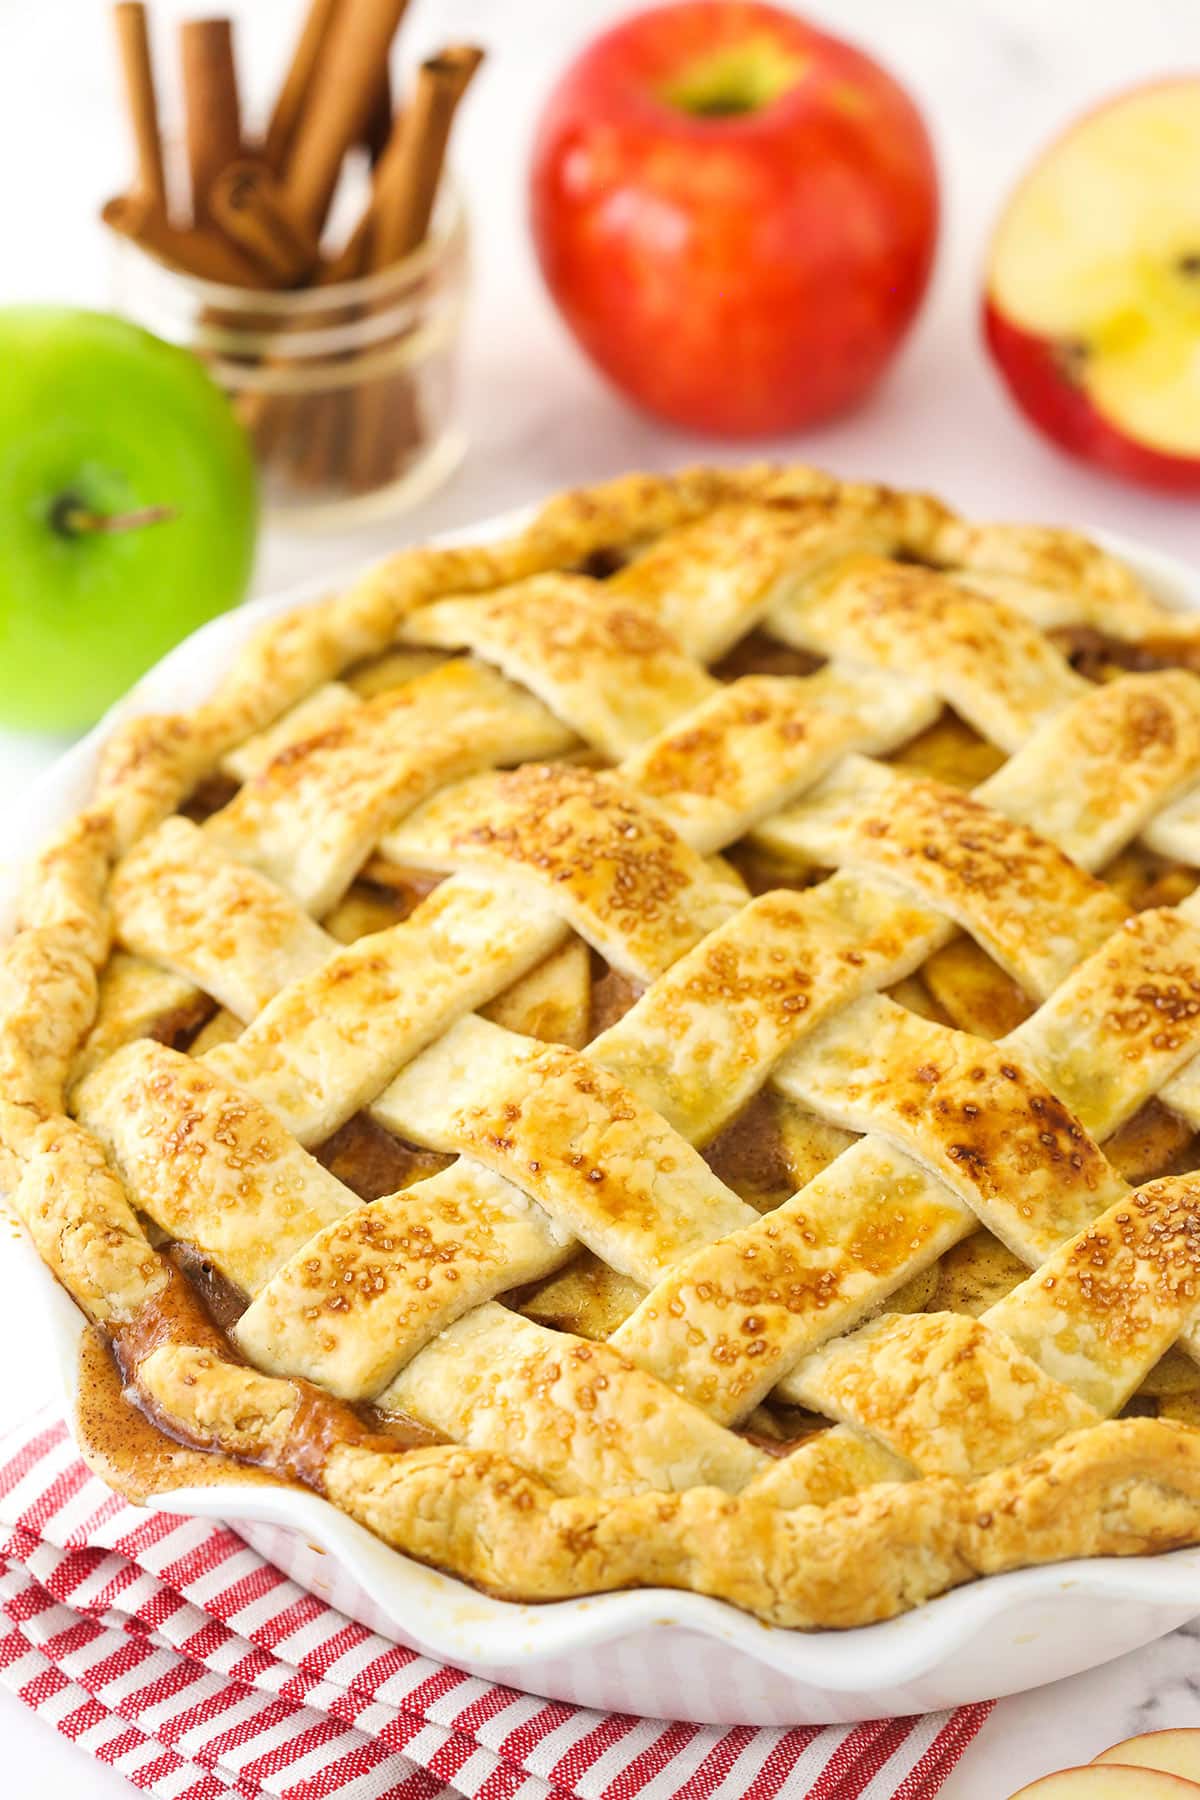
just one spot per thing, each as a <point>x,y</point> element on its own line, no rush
<point>75,520</point>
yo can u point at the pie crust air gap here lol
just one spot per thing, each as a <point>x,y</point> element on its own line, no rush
<point>663,1051</point>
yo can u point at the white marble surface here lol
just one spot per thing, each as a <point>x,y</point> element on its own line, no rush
<point>997,77</point>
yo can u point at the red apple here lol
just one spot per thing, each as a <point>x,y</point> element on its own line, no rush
<point>1092,309</point>
<point>736,214</point>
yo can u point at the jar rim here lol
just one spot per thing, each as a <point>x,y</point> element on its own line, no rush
<point>444,236</point>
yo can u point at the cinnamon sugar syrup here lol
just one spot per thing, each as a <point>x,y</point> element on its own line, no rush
<point>127,1450</point>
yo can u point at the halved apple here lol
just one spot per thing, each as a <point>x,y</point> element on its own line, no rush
<point>1174,1752</point>
<point>1092,309</point>
<point>1108,1781</point>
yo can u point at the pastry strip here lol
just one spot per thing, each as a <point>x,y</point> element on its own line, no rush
<point>997,671</point>
<point>579,1413</point>
<point>310,820</point>
<point>968,1110</point>
<point>1029,906</point>
<point>362,1296</point>
<point>547,1118</point>
<point>603,665</point>
<point>208,920</point>
<point>208,1164</point>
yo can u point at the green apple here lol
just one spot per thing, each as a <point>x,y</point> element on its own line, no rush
<point>128,509</point>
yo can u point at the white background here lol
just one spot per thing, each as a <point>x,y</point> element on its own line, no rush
<point>996,78</point>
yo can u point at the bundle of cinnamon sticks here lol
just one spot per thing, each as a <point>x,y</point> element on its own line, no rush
<point>256,209</point>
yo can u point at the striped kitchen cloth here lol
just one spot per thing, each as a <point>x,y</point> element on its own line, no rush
<point>168,1649</point>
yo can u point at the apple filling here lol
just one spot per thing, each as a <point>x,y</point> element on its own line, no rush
<point>1102,658</point>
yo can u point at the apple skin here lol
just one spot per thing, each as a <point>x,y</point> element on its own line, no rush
<point>744,274</point>
<point>93,408</point>
<point>1067,415</point>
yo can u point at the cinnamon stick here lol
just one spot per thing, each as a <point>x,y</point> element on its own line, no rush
<point>261,412</point>
<point>296,92</point>
<point>378,129</point>
<point>212,111</point>
<point>313,432</point>
<point>294,95</point>
<point>387,421</point>
<point>407,189</point>
<point>251,208</point>
<point>133,46</point>
<point>342,95</point>
<point>321,453</point>
<point>195,249</point>
<point>351,260</point>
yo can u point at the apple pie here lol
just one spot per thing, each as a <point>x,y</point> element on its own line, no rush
<point>663,1051</point>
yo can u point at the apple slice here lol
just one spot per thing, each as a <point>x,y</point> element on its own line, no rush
<point>1174,1752</point>
<point>1108,1781</point>
<point>1093,289</point>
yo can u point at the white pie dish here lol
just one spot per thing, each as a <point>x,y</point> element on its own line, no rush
<point>648,1651</point>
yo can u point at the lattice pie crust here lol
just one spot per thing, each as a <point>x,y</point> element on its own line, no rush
<point>647,1034</point>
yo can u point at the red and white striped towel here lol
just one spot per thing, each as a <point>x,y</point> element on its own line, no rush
<point>170,1650</point>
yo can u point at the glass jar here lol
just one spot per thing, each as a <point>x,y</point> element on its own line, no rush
<point>348,391</point>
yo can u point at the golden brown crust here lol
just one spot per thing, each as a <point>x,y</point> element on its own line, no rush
<point>1122,1489</point>
<point>846,1529</point>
